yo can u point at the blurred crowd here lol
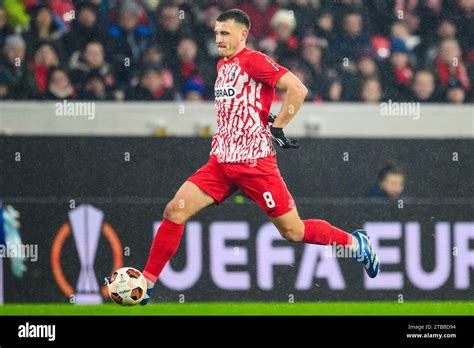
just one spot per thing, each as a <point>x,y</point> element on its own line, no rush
<point>343,50</point>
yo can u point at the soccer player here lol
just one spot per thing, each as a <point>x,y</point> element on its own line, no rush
<point>243,157</point>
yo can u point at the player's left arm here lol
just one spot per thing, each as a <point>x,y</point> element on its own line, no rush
<point>296,92</point>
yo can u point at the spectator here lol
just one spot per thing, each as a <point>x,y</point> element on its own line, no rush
<point>305,13</point>
<point>455,92</point>
<point>449,64</point>
<point>334,90</point>
<point>429,50</point>
<point>85,29</point>
<point>188,66</point>
<point>90,59</point>
<point>43,27</point>
<point>22,83</point>
<point>324,29</point>
<point>401,31</point>
<point>312,57</point>
<point>59,86</point>
<point>95,88</point>
<point>153,58</point>
<point>422,89</point>
<point>151,87</point>
<point>397,73</point>
<point>193,90</point>
<point>131,40</point>
<point>371,91</point>
<point>259,11</point>
<point>170,30</point>
<point>281,44</point>
<point>366,68</point>
<point>390,182</point>
<point>44,59</point>
<point>353,38</point>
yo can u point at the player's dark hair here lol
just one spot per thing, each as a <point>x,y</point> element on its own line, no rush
<point>237,15</point>
<point>391,167</point>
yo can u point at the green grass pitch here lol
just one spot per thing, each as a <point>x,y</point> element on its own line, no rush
<point>247,308</point>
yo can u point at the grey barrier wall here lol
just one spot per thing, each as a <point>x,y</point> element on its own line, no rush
<point>354,120</point>
<point>91,204</point>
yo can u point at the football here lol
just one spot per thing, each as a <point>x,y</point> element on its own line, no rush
<point>127,286</point>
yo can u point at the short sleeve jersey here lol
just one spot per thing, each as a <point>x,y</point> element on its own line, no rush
<point>244,92</point>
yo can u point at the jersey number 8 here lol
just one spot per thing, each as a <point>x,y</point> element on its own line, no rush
<point>267,196</point>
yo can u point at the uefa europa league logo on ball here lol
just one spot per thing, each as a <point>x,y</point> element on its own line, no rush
<point>87,225</point>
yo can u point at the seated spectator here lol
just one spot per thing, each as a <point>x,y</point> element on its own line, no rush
<point>22,85</point>
<point>153,57</point>
<point>90,59</point>
<point>44,59</point>
<point>189,66</point>
<point>366,68</point>
<point>334,90</point>
<point>95,88</point>
<point>151,87</point>
<point>449,64</point>
<point>352,39</point>
<point>59,86</point>
<point>131,40</point>
<point>371,91</point>
<point>281,44</point>
<point>305,13</point>
<point>43,27</point>
<point>429,49</point>
<point>193,90</point>
<point>397,73</point>
<point>324,31</point>
<point>85,29</point>
<point>115,8</point>
<point>455,92</point>
<point>390,182</point>
<point>170,30</point>
<point>423,88</point>
<point>401,31</point>
<point>312,59</point>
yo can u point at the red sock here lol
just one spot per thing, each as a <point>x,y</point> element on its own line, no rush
<point>164,246</point>
<point>322,232</point>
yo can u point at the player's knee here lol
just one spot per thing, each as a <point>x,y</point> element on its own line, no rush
<point>292,234</point>
<point>174,213</point>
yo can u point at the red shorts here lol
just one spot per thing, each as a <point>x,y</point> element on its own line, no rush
<point>259,179</point>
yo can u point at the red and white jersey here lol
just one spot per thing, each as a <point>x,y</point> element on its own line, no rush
<point>244,91</point>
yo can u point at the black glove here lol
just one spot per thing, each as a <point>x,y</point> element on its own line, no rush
<point>271,118</point>
<point>282,141</point>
